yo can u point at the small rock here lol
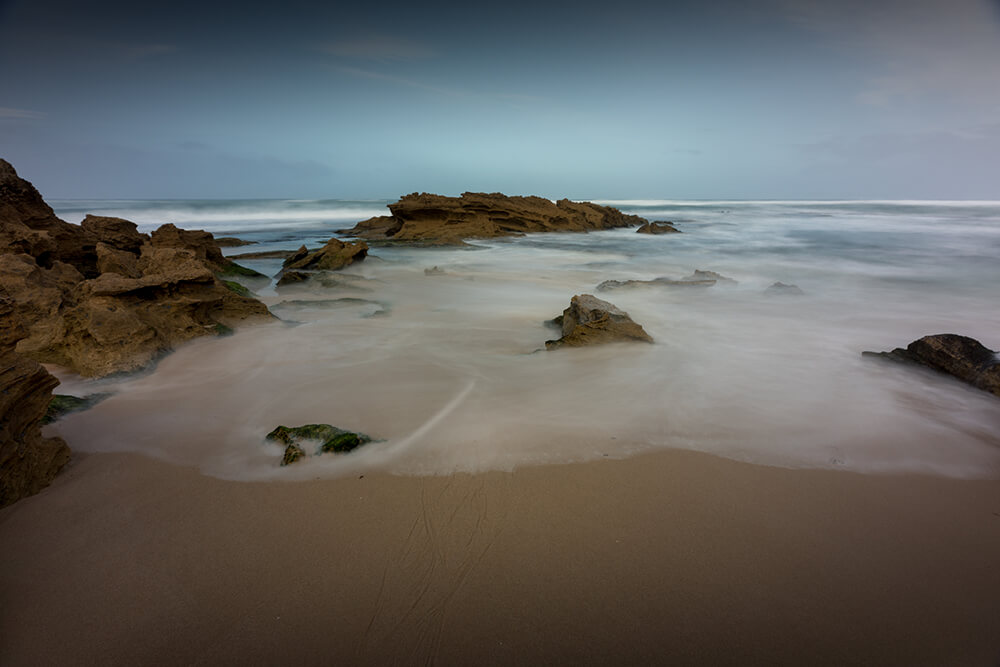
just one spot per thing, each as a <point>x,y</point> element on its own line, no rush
<point>591,321</point>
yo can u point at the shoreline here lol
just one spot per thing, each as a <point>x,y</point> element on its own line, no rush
<point>672,556</point>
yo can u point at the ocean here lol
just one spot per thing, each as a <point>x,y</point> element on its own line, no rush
<point>444,369</point>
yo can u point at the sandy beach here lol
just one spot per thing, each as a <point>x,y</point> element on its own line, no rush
<point>667,558</point>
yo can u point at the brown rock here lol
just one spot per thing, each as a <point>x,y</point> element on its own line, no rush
<point>658,227</point>
<point>333,256</point>
<point>118,233</point>
<point>112,260</point>
<point>29,226</point>
<point>101,298</point>
<point>960,356</point>
<point>591,321</point>
<point>435,219</point>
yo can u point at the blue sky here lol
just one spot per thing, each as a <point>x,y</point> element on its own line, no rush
<point>776,99</point>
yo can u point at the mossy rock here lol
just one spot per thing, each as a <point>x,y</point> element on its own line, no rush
<point>222,329</point>
<point>239,289</point>
<point>330,438</point>
<point>63,404</point>
<point>234,269</point>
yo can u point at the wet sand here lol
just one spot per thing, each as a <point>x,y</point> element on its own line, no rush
<point>667,558</point>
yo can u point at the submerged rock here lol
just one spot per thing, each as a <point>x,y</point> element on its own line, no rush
<point>435,271</point>
<point>658,227</point>
<point>437,220</point>
<point>63,404</point>
<point>699,275</point>
<point>959,356</point>
<point>781,289</point>
<point>591,321</point>
<point>330,439</point>
<point>609,285</point>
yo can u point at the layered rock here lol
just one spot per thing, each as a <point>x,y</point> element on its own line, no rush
<point>591,321</point>
<point>435,219</point>
<point>102,298</point>
<point>960,356</point>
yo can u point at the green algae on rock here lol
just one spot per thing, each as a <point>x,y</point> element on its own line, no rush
<point>63,404</point>
<point>330,439</point>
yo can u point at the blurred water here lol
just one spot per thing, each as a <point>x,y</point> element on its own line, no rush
<point>443,368</point>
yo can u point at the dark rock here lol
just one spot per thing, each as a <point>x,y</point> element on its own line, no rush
<point>435,219</point>
<point>658,227</point>
<point>63,404</point>
<point>292,454</point>
<point>591,321</point>
<point>959,356</point>
<point>435,271</point>
<point>267,254</point>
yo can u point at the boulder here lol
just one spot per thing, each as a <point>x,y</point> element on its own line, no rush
<point>438,220</point>
<point>658,227</point>
<point>115,232</point>
<point>959,356</point>
<point>333,256</point>
<point>591,321</point>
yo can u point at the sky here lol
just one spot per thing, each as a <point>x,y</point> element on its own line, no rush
<point>760,99</point>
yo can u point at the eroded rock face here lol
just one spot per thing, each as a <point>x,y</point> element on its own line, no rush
<point>960,356</point>
<point>100,297</point>
<point>28,462</point>
<point>591,321</point>
<point>609,285</point>
<point>435,219</point>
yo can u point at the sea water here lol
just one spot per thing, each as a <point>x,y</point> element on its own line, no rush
<point>447,370</point>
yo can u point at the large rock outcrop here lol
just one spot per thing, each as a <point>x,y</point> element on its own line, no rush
<point>960,356</point>
<point>435,219</point>
<point>100,297</point>
<point>591,321</point>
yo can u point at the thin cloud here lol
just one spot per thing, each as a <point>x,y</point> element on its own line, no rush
<point>8,113</point>
<point>377,48</point>
<point>915,48</point>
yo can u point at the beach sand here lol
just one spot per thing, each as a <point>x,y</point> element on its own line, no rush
<point>666,558</point>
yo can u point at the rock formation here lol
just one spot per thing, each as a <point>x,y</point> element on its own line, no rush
<point>435,219</point>
<point>591,321</point>
<point>960,356</point>
<point>100,297</point>
<point>709,275</point>
<point>658,227</point>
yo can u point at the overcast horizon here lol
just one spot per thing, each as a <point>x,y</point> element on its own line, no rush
<point>766,100</point>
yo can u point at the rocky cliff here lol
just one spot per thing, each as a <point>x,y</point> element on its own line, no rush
<point>98,298</point>
<point>435,219</point>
